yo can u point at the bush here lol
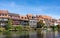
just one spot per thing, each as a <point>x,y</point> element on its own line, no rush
<point>54,27</point>
<point>1,29</point>
<point>8,25</point>
<point>27,28</point>
<point>18,28</point>
<point>40,24</point>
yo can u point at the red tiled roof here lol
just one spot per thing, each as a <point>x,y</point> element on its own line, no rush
<point>48,17</point>
<point>4,11</point>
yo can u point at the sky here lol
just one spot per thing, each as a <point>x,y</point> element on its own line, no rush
<point>35,7</point>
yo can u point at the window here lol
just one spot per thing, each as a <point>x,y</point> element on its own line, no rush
<point>34,21</point>
<point>30,22</point>
<point>30,16</point>
<point>2,14</point>
<point>10,16</point>
<point>3,24</point>
<point>5,19</point>
<point>22,17</point>
<point>0,19</point>
<point>5,14</point>
<point>25,18</point>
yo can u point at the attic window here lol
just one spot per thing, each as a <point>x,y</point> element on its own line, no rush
<point>22,17</point>
<point>5,14</point>
<point>25,18</point>
<point>10,16</point>
<point>2,14</point>
<point>29,16</point>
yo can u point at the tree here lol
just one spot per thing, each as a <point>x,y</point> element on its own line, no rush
<point>19,28</point>
<point>58,26</point>
<point>40,24</point>
<point>9,24</point>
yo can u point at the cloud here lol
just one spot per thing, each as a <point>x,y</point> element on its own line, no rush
<point>12,4</point>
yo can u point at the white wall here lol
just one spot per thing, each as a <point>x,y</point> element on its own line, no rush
<point>33,23</point>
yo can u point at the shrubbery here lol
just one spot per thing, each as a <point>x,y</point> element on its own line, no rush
<point>8,25</point>
<point>18,28</point>
<point>1,29</point>
<point>40,24</point>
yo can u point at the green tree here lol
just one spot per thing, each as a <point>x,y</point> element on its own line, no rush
<point>9,24</point>
<point>54,27</point>
<point>19,28</point>
<point>58,26</point>
<point>40,24</point>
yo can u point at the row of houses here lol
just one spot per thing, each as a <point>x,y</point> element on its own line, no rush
<point>24,20</point>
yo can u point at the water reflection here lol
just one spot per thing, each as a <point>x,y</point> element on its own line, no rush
<point>24,35</point>
<point>8,35</point>
<point>30,34</point>
<point>39,34</point>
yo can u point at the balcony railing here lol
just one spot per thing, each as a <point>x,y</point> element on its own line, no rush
<point>3,19</point>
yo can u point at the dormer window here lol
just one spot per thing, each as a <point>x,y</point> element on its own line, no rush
<point>25,18</point>
<point>2,14</point>
<point>22,17</point>
<point>5,14</point>
<point>10,16</point>
<point>29,16</point>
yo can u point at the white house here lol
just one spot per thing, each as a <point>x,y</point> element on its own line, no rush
<point>33,23</point>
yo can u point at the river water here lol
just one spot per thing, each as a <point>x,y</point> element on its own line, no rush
<point>31,34</point>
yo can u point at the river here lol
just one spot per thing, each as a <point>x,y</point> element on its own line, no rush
<point>31,34</point>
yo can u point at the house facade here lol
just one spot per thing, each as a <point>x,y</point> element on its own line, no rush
<point>33,23</point>
<point>28,19</point>
<point>3,17</point>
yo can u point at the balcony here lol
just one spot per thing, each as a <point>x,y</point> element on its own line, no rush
<point>14,17</point>
<point>3,19</point>
<point>24,22</point>
<point>3,23</point>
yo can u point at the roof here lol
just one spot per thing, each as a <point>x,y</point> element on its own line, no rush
<point>22,16</point>
<point>45,16</point>
<point>13,14</point>
<point>29,14</point>
<point>4,11</point>
<point>58,20</point>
